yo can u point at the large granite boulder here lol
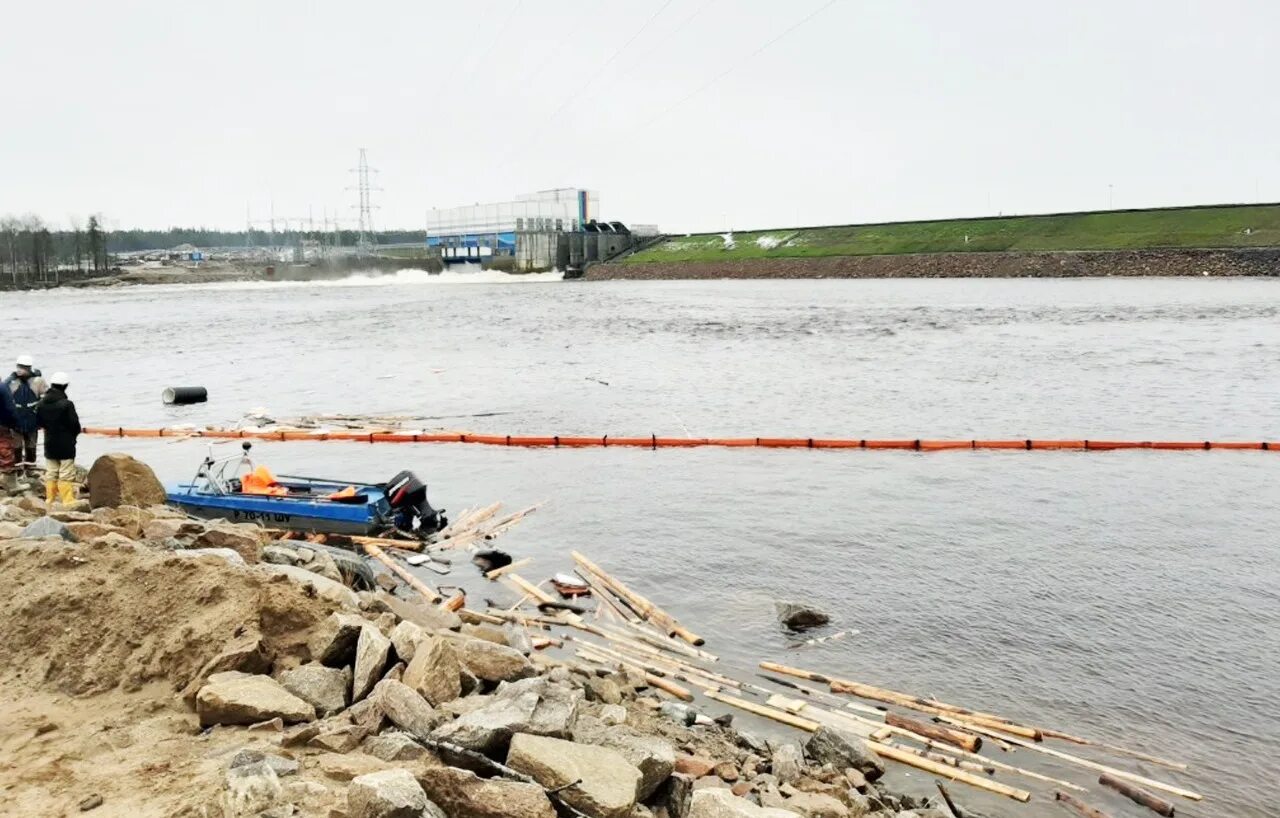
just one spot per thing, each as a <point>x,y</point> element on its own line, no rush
<point>47,527</point>
<point>652,756</point>
<point>535,706</point>
<point>492,662</point>
<point>387,794</point>
<point>372,652</point>
<point>243,698</point>
<point>335,592</point>
<point>333,642</point>
<point>607,783</point>
<point>435,672</point>
<point>843,750</point>
<point>405,637</point>
<point>241,539</point>
<point>326,689</point>
<point>463,794</point>
<point>721,803</point>
<point>428,617</point>
<point>116,479</point>
<point>404,708</point>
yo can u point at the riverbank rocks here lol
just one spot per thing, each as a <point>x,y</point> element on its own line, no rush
<point>652,756</point>
<point>428,617</point>
<point>842,750</point>
<point>463,794</point>
<point>788,763</point>
<point>492,662</point>
<point>326,689</point>
<point>47,527</point>
<point>373,650</point>
<point>607,782</point>
<point>240,539</point>
<point>393,746</point>
<point>535,706</point>
<point>715,802</point>
<point>116,479</point>
<point>388,794</point>
<point>435,672</point>
<point>404,638</point>
<point>232,697</point>
<point>333,642</point>
<point>797,617</point>
<point>335,592</point>
<point>404,708</point>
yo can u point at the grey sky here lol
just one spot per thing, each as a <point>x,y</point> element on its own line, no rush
<point>163,113</point>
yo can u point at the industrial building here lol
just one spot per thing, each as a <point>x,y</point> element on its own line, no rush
<point>550,229</point>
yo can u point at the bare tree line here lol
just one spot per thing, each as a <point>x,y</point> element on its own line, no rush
<point>32,254</point>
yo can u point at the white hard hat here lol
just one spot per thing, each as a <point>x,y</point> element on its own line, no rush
<point>60,379</point>
<point>26,360</point>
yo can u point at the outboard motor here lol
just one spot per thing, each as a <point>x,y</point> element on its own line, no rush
<point>408,498</point>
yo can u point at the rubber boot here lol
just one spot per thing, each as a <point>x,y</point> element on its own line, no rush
<point>68,492</point>
<point>50,492</point>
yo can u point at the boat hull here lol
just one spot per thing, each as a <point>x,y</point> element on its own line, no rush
<point>370,517</point>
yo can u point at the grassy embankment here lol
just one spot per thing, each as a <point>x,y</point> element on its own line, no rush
<point>1198,227</point>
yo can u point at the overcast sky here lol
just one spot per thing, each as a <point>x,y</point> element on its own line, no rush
<point>163,113</point>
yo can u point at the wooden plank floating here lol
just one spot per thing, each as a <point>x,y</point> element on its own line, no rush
<point>912,760</point>
<point>430,594</point>
<point>1093,765</point>
<point>881,694</point>
<point>642,606</point>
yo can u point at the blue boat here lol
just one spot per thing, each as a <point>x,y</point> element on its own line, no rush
<point>233,488</point>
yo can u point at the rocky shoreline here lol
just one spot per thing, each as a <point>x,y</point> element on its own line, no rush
<point>155,664</point>
<point>1263,261</point>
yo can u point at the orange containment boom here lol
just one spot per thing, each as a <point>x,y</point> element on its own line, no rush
<point>655,442</point>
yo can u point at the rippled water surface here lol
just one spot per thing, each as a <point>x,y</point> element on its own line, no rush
<point>1129,596</point>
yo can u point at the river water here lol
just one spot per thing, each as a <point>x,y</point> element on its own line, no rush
<point>1133,597</point>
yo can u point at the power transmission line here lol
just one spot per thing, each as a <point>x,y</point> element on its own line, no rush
<point>595,75</point>
<point>735,66</point>
<point>680,25</point>
<point>502,29</point>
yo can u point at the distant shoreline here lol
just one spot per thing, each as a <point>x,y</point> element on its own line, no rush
<point>1252,261</point>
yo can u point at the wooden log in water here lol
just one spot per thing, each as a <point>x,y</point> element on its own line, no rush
<point>1079,807</point>
<point>868,727</point>
<point>780,716</point>
<point>650,666</point>
<point>910,759</point>
<point>1163,762</point>
<point>950,761</point>
<point>961,739</point>
<point>839,721</point>
<point>643,606</point>
<point>657,680</point>
<point>508,568</point>
<point>1084,762</point>
<point>906,700</point>
<point>387,542</point>
<point>1138,795</point>
<point>430,594</point>
<point>455,603</point>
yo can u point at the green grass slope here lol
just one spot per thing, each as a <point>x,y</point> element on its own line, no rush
<point>1221,226</point>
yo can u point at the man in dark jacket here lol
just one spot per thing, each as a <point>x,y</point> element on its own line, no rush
<point>8,428</point>
<point>27,387</point>
<point>57,416</point>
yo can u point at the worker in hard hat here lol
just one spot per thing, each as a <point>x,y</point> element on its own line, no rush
<point>27,387</point>
<point>57,416</point>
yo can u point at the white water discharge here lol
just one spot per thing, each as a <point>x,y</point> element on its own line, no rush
<point>466,274</point>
